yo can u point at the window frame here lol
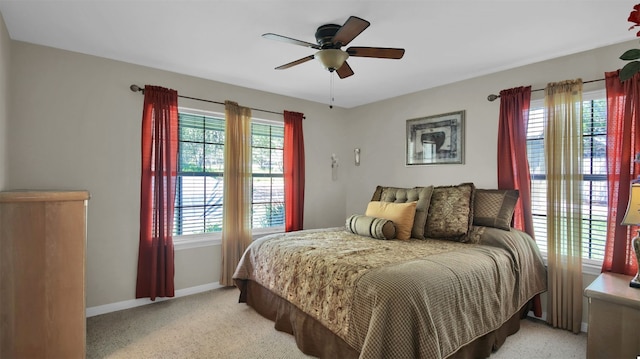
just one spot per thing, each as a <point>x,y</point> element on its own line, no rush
<point>589,266</point>
<point>189,241</point>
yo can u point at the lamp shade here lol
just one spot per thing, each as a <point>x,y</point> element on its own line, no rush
<point>331,59</point>
<point>632,216</point>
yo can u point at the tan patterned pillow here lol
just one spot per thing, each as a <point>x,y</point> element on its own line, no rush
<point>494,207</point>
<point>420,195</point>
<point>401,214</point>
<point>450,212</point>
<point>378,228</point>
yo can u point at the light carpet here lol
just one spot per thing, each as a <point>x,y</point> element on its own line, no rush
<point>214,325</point>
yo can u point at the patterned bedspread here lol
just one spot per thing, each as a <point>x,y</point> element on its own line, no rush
<point>418,298</point>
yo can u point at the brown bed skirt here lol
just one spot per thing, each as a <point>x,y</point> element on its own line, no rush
<point>313,338</point>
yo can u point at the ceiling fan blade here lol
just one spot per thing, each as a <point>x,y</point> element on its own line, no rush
<point>294,63</point>
<point>351,28</point>
<point>377,52</point>
<point>289,40</point>
<point>344,70</point>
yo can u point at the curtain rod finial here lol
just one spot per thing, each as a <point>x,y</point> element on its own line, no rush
<point>135,88</point>
<point>492,97</point>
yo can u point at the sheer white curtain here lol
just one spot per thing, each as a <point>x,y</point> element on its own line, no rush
<point>236,218</point>
<point>563,160</point>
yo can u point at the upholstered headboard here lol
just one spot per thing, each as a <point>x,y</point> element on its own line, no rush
<point>421,195</point>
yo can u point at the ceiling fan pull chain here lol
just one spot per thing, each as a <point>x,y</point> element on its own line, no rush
<point>331,99</point>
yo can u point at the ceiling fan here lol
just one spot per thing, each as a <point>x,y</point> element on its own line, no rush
<point>330,38</point>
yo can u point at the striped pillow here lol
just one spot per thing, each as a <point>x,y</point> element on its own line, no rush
<point>378,228</point>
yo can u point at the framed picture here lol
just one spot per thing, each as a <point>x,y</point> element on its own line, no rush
<point>436,139</point>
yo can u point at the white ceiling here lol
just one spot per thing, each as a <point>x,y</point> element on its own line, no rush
<point>445,41</point>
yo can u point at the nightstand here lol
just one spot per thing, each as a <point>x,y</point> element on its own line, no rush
<point>614,318</point>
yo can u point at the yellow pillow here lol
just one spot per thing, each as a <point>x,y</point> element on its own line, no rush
<point>401,214</point>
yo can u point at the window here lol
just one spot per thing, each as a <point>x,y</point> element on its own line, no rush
<point>595,195</point>
<point>200,181</point>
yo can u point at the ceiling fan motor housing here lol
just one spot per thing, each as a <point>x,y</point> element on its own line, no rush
<point>325,34</point>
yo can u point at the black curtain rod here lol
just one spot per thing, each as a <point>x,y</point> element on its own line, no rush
<point>136,88</point>
<point>493,97</point>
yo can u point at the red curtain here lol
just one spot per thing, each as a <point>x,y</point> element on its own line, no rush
<point>157,193</point>
<point>513,165</point>
<point>623,142</point>
<point>293,171</point>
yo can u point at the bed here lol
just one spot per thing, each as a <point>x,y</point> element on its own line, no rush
<point>455,288</point>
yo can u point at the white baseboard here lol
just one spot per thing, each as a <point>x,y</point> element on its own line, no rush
<point>583,326</point>
<point>126,304</point>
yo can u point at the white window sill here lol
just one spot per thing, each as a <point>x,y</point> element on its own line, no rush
<point>589,266</point>
<point>215,239</point>
<point>196,241</point>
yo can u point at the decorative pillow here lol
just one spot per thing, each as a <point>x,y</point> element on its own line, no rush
<point>450,212</point>
<point>475,234</point>
<point>420,195</point>
<point>401,214</point>
<point>374,227</point>
<point>494,207</point>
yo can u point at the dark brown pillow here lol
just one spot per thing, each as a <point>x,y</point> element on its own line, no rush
<point>450,212</point>
<point>494,207</point>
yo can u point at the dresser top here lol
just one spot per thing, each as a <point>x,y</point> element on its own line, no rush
<point>613,287</point>
<point>42,196</point>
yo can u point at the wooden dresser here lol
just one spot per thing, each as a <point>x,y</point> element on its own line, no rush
<point>614,318</point>
<point>42,274</point>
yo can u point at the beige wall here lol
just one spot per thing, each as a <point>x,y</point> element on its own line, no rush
<point>5,47</point>
<point>76,124</point>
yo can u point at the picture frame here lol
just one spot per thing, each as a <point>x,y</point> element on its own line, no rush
<point>436,140</point>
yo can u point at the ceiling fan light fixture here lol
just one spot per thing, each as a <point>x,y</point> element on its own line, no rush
<point>331,59</point>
